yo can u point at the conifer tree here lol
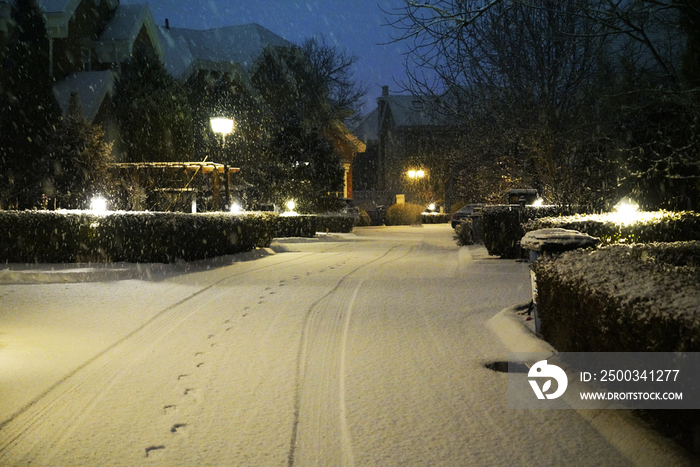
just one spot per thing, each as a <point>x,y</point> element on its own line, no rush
<point>153,112</point>
<point>80,158</point>
<point>29,112</point>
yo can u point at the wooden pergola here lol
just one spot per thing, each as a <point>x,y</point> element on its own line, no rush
<point>216,170</point>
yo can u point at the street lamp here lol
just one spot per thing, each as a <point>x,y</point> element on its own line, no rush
<point>416,173</point>
<point>224,126</point>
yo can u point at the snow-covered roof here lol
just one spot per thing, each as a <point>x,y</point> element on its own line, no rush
<point>58,14</point>
<point>187,50</point>
<point>92,88</point>
<point>116,41</point>
<point>405,110</point>
<point>367,130</point>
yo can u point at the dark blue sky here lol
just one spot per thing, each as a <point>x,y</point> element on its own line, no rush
<point>357,26</point>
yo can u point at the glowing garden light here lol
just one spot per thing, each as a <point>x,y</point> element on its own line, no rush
<point>432,206</point>
<point>538,202</point>
<point>98,204</point>
<point>626,211</point>
<point>236,208</point>
<point>291,205</point>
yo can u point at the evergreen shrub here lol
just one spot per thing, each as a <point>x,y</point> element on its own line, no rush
<point>403,214</point>
<point>363,220</point>
<point>621,298</point>
<point>435,218</point>
<point>55,237</point>
<point>659,226</point>
<point>335,223</point>
<point>502,229</point>
<point>464,233</point>
<point>303,225</point>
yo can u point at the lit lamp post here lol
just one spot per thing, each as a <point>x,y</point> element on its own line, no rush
<point>224,126</point>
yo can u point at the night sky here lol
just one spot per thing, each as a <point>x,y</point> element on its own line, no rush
<point>358,26</point>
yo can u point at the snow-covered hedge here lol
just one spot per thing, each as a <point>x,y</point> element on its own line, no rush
<point>435,218</point>
<point>303,225</point>
<point>50,236</point>
<point>502,229</point>
<point>660,226</point>
<point>342,223</point>
<point>622,298</point>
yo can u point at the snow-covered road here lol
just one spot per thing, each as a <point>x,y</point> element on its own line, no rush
<point>362,349</point>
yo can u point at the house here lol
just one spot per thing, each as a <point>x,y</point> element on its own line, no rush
<point>401,136</point>
<point>90,39</point>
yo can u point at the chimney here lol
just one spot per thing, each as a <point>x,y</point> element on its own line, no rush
<point>167,23</point>
<point>385,91</point>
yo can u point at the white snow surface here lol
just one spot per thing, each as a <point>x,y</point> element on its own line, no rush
<point>639,275</point>
<point>360,349</point>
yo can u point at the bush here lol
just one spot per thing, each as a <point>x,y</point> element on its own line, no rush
<point>403,214</point>
<point>335,223</point>
<point>435,218</point>
<point>296,226</point>
<point>54,237</point>
<point>464,233</point>
<point>621,298</point>
<point>363,220</point>
<point>660,226</point>
<point>502,229</point>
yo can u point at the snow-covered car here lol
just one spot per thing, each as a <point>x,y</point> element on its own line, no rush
<point>464,213</point>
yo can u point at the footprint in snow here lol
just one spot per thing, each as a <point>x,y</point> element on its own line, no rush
<point>151,449</point>
<point>179,428</point>
<point>167,409</point>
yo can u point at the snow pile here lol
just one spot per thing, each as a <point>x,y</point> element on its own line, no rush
<point>557,239</point>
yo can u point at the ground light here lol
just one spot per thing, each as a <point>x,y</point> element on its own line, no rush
<point>236,208</point>
<point>291,205</point>
<point>98,205</point>
<point>538,202</point>
<point>626,211</point>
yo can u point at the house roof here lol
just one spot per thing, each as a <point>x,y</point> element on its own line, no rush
<point>405,111</point>
<point>187,50</point>
<point>92,88</point>
<point>58,14</point>
<point>116,41</point>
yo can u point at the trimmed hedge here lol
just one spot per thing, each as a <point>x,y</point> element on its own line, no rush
<point>306,225</point>
<point>659,226</point>
<point>435,218</point>
<point>502,229</point>
<point>303,225</point>
<point>335,223</point>
<point>621,298</point>
<point>60,237</point>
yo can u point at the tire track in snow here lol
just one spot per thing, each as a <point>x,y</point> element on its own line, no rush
<point>36,432</point>
<point>320,434</point>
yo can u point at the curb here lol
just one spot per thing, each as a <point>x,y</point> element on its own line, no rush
<point>627,434</point>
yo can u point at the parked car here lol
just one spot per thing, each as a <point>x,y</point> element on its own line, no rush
<point>464,213</point>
